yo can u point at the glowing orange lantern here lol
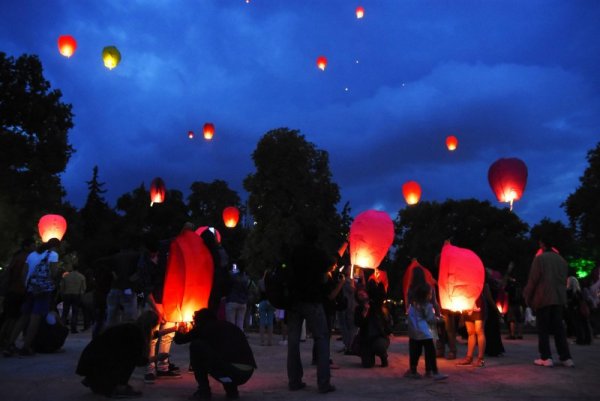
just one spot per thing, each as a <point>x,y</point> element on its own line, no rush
<point>502,302</point>
<point>460,279</point>
<point>412,192</point>
<point>231,216</point>
<point>408,277</point>
<point>508,178</point>
<point>360,12</point>
<point>191,134</point>
<point>371,234</point>
<point>213,230</point>
<point>67,45</point>
<point>111,57</point>
<point>451,142</point>
<point>52,226</point>
<point>322,62</point>
<point>157,191</point>
<point>188,278</point>
<point>209,131</point>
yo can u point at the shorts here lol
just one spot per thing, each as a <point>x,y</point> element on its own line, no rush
<point>473,316</point>
<point>37,304</point>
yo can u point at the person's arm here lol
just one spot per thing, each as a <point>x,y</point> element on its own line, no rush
<point>338,287</point>
<point>532,282</point>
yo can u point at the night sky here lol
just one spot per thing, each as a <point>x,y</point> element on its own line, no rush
<point>508,78</point>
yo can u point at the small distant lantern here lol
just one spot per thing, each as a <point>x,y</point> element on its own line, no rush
<point>412,192</point>
<point>231,216</point>
<point>322,62</point>
<point>508,178</point>
<point>52,226</point>
<point>451,143</point>
<point>208,131</point>
<point>157,191</point>
<point>191,134</point>
<point>111,57</point>
<point>371,235</point>
<point>360,12</point>
<point>67,45</point>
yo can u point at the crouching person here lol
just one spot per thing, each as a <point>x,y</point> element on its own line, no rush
<point>217,348</point>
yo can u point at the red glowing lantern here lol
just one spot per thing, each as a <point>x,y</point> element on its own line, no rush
<point>460,279</point>
<point>412,192</point>
<point>208,131</point>
<point>451,142</point>
<point>213,230</point>
<point>508,178</point>
<point>67,45</point>
<point>191,134</point>
<point>371,234</point>
<point>360,12</point>
<point>188,278</point>
<point>231,216</point>
<point>380,277</point>
<point>157,191</point>
<point>322,62</point>
<point>502,302</point>
<point>52,226</point>
<point>408,276</point>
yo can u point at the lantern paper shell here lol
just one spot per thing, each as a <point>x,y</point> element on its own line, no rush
<point>412,192</point>
<point>213,230</point>
<point>460,279</point>
<point>208,131</point>
<point>371,234</point>
<point>67,45</point>
<point>380,277</point>
<point>111,57</point>
<point>451,142</point>
<point>188,278</point>
<point>322,62</point>
<point>52,226</point>
<point>408,276</point>
<point>360,12</point>
<point>231,216</point>
<point>157,191</point>
<point>502,302</point>
<point>507,178</point>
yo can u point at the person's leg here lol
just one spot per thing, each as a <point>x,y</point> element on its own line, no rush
<point>164,368</point>
<point>240,316</point>
<point>269,321</point>
<point>316,320</point>
<point>380,348</point>
<point>450,328</point>
<point>542,320</point>
<point>294,363</point>
<point>367,356</point>
<point>67,302</point>
<point>560,337</point>
<point>480,334</point>
<point>471,341</point>
<point>200,355</point>
<point>75,305</point>
<point>414,353</point>
<point>113,312</point>
<point>130,307</point>
<point>230,312</point>
<point>430,356</point>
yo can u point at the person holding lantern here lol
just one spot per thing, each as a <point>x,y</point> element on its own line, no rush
<point>546,294</point>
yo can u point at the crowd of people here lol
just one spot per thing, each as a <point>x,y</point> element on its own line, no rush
<point>121,298</point>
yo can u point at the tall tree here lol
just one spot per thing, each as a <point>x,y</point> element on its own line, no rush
<point>34,147</point>
<point>290,189</point>
<point>583,207</point>
<point>207,201</point>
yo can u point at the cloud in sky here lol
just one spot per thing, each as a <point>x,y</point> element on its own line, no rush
<point>509,79</point>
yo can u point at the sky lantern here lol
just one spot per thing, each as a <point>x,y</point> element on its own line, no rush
<point>188,278</point>
<point>191,134</point>
<point>508,178</point>
<point>67,45</point>
<point>360,12</point>
<point>371,235</point>
<point>451,142</point>
<point>208,131</point>
<point>408,275</point>
<point>322,62</point>
<point>111,57</point>
<point>412,192</point>
<point>461,278</point>
<point>52,226</point>
<point>231,216</point>
<point>380,277</point>
<point>157,191</point>
<point>213,230</point>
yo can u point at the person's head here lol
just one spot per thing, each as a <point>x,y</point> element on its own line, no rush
<point>204,315</point>
<point>573,284</point>
<point>188,226</point>
<point>52,245</point>
<point>147,320</point>
<point>362,296</point>
<point>545,243</point>
<point>422,293</point>
<point>418,277</point>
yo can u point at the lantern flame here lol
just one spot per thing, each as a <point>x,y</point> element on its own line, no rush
<point>360,12</point>
<point>191,134</point>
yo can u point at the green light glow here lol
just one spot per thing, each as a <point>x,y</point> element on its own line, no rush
<point>583,267</point>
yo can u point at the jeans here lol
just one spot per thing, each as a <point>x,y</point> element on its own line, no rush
<point>415,348</point>
<point>266,313</point>
<point>317,323</point>
<point>549,319</point>
<point>115,300</point>
<point>161,347</point>
<point>72,302</point>
<point>235,313</point>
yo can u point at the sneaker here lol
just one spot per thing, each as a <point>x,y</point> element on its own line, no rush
<point>544,362</point>
<point>410,375</point>
<point>201,395</point>
<point>479,363</point>
<point>149,378</point>
<point>329,388</point>
<point>297,386</point>
<point>439,376</point>
<point>174,368</point>
<point>568,363</point>
<point>465,362</point>
<point>231,391</point>
<point>168,374</point>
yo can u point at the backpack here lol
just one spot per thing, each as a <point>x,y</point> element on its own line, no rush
<point>40,281</point>
<point>278,287</point>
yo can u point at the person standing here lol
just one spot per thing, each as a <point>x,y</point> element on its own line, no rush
<point>546,294</point>
<point>72,288</point>
<point>309,266</point>
<point>237,299</point>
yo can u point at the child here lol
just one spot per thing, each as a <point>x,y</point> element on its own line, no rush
<point>420,317</point>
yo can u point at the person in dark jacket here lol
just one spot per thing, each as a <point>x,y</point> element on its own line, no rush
<point>372,320</point>
<point>220,349</point>
<point>108,361</point>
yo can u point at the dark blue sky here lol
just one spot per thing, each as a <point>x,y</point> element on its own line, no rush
<point>508,78</point>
